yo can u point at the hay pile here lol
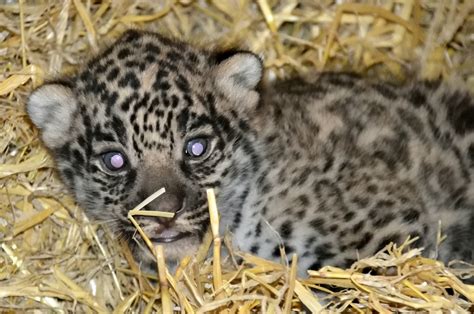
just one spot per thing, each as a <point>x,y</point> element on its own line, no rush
<point>53,258</point>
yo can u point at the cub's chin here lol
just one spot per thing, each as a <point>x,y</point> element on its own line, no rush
<point>174,252</point>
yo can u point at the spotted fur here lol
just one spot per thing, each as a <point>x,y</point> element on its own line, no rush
<point>334,167</point>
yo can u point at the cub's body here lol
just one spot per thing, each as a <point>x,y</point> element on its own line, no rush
<point>333,167</point>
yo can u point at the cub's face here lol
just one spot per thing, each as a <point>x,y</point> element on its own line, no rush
<point>147,113</point>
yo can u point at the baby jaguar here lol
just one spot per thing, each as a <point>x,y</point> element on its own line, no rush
<point>332,166</point>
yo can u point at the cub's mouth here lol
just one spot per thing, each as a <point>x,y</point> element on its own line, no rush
<point>164,231</point>
<point>170,235</point>
<point>175,233</point>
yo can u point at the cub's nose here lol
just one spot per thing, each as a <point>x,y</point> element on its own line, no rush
<point>169,202</point>
<point>172,200</point>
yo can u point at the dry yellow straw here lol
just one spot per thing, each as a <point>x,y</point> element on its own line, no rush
<point>22,33</point>
<point>359,8</point>
<point>291,284</point>
<point>127,303</point>
<point>267,13</point>
<point>165,294</point>
<point>46,39</point>
<point>216,263</point>
<point>78,292</point>
<point>91,34</point>
<point>147,201</point>
<point>32,220</point>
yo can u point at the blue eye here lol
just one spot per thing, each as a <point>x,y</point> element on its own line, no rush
<point>196,147</point>
<point>114,161</point>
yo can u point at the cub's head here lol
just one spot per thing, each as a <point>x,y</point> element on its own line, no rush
<point>151,112</point>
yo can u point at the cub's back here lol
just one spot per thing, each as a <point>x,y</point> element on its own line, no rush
<point>406,126</point>
<point>416,139</point>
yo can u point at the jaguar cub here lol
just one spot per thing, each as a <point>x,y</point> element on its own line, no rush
<point>333,167</point>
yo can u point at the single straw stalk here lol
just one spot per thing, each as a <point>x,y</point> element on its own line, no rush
<point>291,284</point>
<point>165,294</point>
<point>216,263</point>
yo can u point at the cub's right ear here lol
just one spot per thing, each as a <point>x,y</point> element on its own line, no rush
<point>51,108</point>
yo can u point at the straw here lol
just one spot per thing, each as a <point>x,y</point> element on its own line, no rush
<point>53,259</point>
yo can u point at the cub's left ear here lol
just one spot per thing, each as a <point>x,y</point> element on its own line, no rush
<point>238,74</point>
<point>51,108</point>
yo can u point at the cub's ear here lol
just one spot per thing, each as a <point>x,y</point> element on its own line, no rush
<point>238,74</point>
<point>51,108</point>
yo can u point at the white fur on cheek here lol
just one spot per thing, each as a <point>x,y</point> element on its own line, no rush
<point>51,107</point>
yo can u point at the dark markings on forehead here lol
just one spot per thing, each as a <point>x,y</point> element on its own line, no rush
<point>120,130</point>
<point>126,103</point>
<point>161,85</point>
<point>98,67</point>
<point>220,123</point>
<point>85,76</point>
<point>81,141</point>
<point>188,100</point>
<point>124,53</point>
<point>86,121</point>
<point>78,159</point>
<point>150,58</point>
<point>136,147</point>
<point>161,75</point>
<point>151,44</point>
<point>183,84</point>
<point>101,135</point>
<point>164,98</point>
<point>152,48</point>
<point>113,74</point>
<point>192,57</point>
<point>224,125</point>
<point>95,87</point>
<point>142,103</point>
<point>191,63</point>
<point>110,99</point>
<point>159,112</point>
<point>131,36</point>
<point>152,105</point>
<point>129,79</point>
<point>135,64</point>
<point>174,55</point>
<point>417,97</point>
<point>200,121</point>
<point>174,101</point>
<point>386,90</point>
<point>167,131</point>
<point>176,60</point>
<point>210,104</point>
<point>169,66</point>
<point>182,120</point>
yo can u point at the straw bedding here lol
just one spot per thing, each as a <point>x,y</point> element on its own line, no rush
<point>53,259</point>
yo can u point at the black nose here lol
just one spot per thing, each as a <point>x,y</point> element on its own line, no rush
<point>169,202</point>
<point>173,199</point>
